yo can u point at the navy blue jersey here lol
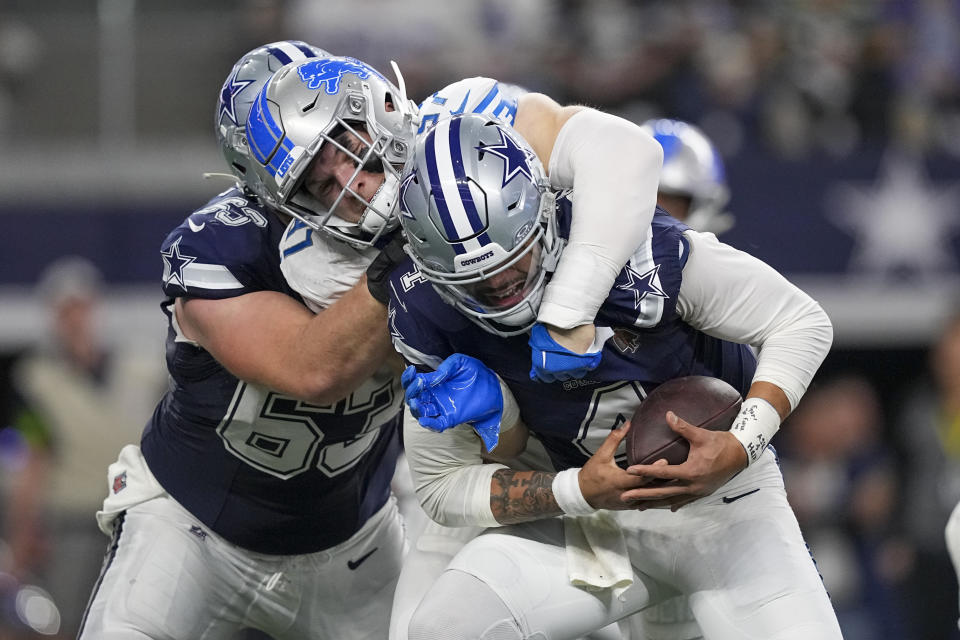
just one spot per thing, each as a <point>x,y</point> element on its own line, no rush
<point>265,471</point>
<point>651,344</point>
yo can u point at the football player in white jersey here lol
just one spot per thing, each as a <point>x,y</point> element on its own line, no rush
<point>684,305</point>
<point>259,496</point>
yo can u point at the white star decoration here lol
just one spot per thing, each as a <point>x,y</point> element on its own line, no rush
<point>900,222</point>
<point>174,263</point>
<point>643,285</point>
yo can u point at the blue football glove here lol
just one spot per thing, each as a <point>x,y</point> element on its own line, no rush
<point>462,389</point>
<point>552,362</point>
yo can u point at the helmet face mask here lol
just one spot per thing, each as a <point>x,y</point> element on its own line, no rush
<point>480,221</point>
<point>239,90</point>
<point>325,110</point>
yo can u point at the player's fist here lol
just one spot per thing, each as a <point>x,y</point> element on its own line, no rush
<point>462,389</point>
<point>552,361</point>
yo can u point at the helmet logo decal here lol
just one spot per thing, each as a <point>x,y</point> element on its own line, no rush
<point>228,95</point>
<point>514,157</point>
<point>404,208</point>
<point>317,73</point>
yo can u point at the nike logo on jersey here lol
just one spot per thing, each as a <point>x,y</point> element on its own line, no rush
<point>196,228</point>
<point>353,564</point>
<point>728,499</point>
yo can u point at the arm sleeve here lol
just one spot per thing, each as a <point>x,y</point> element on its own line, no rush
<point>731,295</point>
<point>614,168</point>
<point>449,475</point>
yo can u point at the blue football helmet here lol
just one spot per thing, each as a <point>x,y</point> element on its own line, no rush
<point>246,79</point>
<point>340,102</point>
<point>693,168</point>
<point>480,220</point>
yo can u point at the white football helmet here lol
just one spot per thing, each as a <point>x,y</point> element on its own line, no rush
<point>693,168</point>
<point>240,88</point>
<point>480,220</point>
<point>345,103</point>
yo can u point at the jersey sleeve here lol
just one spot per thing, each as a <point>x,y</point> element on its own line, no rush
<point>486,96</point>
<point>318,267</point>
<point>227,248</point>
<point>645,292</point>
<point>734,296</point>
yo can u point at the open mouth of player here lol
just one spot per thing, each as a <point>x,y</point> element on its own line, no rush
<point>503,296</point>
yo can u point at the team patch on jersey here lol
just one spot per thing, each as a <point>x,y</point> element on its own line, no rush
<point>625,340</point>
<point>317,73</point>
<point>119,482</point>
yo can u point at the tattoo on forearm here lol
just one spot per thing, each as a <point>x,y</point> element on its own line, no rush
<point>519,496</point>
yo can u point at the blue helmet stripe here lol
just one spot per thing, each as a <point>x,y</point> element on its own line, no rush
<point>463,185</point>
<point>307,52</point>
<point>487,99</point>
<point>280,55</point>
<point>263,133</point>
<point>436,189</point>
<point>280,158</point>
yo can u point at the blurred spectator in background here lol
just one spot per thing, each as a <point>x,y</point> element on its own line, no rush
<point>929,432</point>
<point>81,401</point>
<point>842,484</point>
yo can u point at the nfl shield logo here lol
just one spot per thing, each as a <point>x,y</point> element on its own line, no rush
<point>119,482</point>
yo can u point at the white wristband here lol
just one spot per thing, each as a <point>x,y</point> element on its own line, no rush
<point>566,491</point>
<point>754,426</point>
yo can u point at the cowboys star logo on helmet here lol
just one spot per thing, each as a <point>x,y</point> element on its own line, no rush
<point>228,95</point>
<point>514,158</point>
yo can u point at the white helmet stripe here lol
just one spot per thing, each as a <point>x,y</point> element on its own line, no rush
<point>450,189</point>
<point>287,52</point>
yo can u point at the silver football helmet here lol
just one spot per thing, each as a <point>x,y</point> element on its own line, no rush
<point>240,88</point>
<point>693,168</point>
<point>342,108</point>
<point>480,220</point>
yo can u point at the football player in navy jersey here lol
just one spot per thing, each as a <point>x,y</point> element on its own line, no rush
<point>315,168</point>
<point>312,164</point>
<point>260,494</point>
<point>485,231</point>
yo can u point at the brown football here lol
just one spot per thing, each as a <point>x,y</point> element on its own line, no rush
<point>709,403</point>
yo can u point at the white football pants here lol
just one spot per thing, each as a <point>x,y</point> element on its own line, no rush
<point>168,577</point>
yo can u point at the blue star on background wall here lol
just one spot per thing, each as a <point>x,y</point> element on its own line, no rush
<point>514,158</point>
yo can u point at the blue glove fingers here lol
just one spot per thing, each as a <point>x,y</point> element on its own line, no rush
<point>409,374</point>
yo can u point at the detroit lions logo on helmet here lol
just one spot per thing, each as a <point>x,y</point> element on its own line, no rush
<point>318,73</point>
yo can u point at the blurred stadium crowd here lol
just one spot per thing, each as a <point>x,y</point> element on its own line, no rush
<point>786,89</point>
